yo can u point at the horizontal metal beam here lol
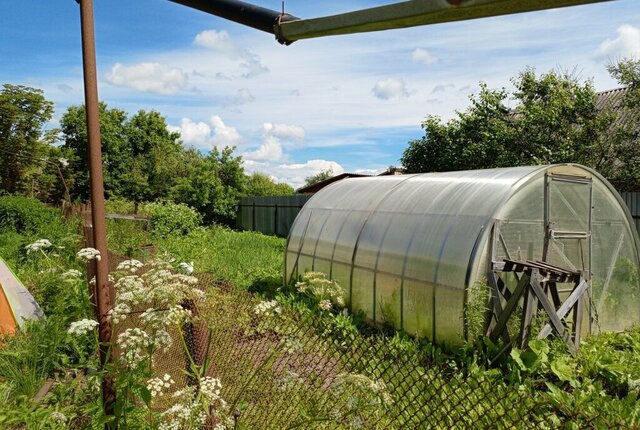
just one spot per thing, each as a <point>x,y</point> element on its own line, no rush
<point>241,12</point>
<point>414,13</point>
<point>288,28</point>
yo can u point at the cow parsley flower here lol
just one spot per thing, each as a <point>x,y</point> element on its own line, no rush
<point>88,254</point>
<point>71,274</point>
<point>59,417</point>
<point>157,385</point>
<point>266,308</point>
<point>325,305</point>
<point>37,245</point>
<point>81,327</point>
<point>63,162</point>
<point>130,265</point>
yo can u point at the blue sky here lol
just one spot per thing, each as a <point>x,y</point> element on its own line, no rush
<point>350,103</point>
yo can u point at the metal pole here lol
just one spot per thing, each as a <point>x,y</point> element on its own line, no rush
<point>103,293</point>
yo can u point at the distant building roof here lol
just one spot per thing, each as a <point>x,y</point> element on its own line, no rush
<point>320,185</point>
<point>314,188</point>
<point>613,99</point>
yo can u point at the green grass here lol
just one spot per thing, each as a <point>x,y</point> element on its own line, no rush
<point>247,260</point>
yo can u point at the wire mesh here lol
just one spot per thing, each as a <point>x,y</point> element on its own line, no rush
<point>289,370</point>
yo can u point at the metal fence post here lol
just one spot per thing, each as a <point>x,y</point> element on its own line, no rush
<point>275,220</point>
<point>103,293</point>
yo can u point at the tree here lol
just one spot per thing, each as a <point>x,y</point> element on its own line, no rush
<point>152,157</point>
<point>23,113</point>
<point>259,184</point>
<point>114,139</point>
<point>555,120</point>
<point>318,177</point>
<point>211,184</point>
<point>625,172</point>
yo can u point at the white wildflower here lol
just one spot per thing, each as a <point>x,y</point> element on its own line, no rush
<point>177,315</point>
<point>63,162</point>
<point>186,267</point>
<point>88,254</point>
<point>59,417</point>
<point>71,274</point>
<point>37,245</point>
<point>266,308</point>
<point>119,312</point>
<point>130,265</point>
<point>210,389</point>
<point>157,385</point>
<point>325,305</point>
<point>134,343</point>
<point>161,341</point>
<point>81,327</point>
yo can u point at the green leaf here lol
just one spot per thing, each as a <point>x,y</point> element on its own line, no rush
<point>562,369</point>
<point>145,394</point>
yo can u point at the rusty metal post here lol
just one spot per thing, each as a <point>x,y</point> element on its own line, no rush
<point>103,292</point>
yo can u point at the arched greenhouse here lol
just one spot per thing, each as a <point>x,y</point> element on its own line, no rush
<point>408,249</point>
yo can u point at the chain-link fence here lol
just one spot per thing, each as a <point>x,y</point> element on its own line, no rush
<point>283,367</point>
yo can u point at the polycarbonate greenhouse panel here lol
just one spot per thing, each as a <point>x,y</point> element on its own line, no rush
<point>406,248</point>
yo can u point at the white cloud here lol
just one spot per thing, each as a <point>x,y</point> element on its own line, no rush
<point>192,133</point>
<point>271,147</point>
<point>420,55</point>
<point>284,131</point>
<point>220,41</point>
<point>390,88</point>
<point>293,173</point>
<point>627,44</point>
<point>270,150</point>
<point>206,136</point>
<point>148,77</point>
<point>224,135</point>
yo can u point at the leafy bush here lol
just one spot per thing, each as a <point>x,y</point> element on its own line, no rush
<point>173,219</point>
<point>25,215</point>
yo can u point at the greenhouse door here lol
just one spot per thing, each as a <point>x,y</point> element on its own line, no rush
<point>568,222</point>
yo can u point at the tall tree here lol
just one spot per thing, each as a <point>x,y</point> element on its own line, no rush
<point>114,139</point>
<point>625,172</point>
<point>23,113</point>
<point>153,153</point>
<point>556,119</point>
<point>259,184</point>
<point>212,184</point>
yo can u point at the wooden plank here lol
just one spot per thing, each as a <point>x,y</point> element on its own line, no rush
<point>495,281</point>
<point>553,290</point>
<point>577,320</point>
<point>44,390</point>
<point>566,307</point>
<point>556,322</point>
<point>530,308</point>
<point>508,310</point>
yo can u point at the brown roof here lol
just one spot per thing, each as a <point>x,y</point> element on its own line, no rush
<point>314,188</point>
<point>613,99</point>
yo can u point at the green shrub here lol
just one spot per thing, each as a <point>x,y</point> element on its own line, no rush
<point>26,215</point>
<point>172,218</point>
